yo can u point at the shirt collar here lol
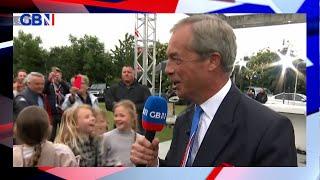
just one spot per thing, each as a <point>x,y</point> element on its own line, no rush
<point>211,106</point>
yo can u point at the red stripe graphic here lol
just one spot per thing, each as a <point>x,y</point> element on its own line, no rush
<point>214,173</point>
<point>164,6</point>
<point>52,23</point>
<point>6,127</point>
<point>45,168</point>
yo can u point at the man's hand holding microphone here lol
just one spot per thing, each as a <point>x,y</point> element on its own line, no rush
<point>144,151</point>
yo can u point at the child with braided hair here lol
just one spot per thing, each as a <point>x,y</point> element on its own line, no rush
<point>32,128</point>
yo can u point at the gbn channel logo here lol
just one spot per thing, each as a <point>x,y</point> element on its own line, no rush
<point>35,19</point>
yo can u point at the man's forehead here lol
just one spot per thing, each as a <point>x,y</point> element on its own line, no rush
<point>22,73</point>
<point>36,78</point>
<point>127,68</point>
<point>171,50</point>
<point>58,72</point>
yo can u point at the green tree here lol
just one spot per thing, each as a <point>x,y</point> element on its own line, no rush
<point>260,72</point>
<point>64,58</point>
<point>162,56</point>
<point>123,54</point>
<point>28,54</point>
<point>85,55</point>
<point>161,51</point>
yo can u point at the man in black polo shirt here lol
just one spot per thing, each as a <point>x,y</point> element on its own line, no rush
<point>128,88</point>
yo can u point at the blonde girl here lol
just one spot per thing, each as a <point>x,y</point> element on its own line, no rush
<point>117,143</point>
<point>77,131</point>
<point>32,128</point>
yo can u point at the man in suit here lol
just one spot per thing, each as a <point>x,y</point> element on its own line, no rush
<point>224,127</point>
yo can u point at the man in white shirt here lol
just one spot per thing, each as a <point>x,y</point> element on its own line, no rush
<point>224,127</point>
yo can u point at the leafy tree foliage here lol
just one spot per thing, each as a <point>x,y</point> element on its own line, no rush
<point>28,54</point>
<point>260,72</point>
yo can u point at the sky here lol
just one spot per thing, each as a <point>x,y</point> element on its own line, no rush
<point>109,28</point>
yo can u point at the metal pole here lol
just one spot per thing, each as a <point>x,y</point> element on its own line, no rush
<point>145,52</point>
<point>154,53</point>
<point>284,85</point>
<point>160,83</point>
<point>295,86</point>
<point>135,64</point>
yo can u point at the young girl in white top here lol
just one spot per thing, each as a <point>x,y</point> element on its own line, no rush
<point>32,128</point>
<point>118,142</point>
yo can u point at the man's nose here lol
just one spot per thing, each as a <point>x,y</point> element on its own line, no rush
<point>169,68</point>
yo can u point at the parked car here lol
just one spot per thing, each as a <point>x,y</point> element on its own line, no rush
<point>288,98</point>
<point>98,90</point>
<point>258,89</point>
<point>177,100</point>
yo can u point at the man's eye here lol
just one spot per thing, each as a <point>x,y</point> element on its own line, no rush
<point>177,60</point>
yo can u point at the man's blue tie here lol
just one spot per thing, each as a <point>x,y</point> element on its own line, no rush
<point>194,135</point>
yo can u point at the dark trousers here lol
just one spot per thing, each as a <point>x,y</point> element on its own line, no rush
<point>55,124</point>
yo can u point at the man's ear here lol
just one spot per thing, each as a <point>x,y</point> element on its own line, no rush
<point>214,61</point>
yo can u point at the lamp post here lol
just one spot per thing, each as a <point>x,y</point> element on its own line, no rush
<point>285,61</point>
<point>160,82</point>
<point>295,85</point>
<point>284,86</point>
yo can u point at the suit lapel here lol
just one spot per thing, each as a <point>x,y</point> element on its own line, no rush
<point>220,130</point>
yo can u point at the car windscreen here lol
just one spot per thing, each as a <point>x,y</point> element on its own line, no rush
<point>98,86</point>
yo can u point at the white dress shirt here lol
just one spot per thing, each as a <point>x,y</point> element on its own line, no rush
<point>210,108</point>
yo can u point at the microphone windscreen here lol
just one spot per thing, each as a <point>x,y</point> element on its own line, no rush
<point>154,113</point>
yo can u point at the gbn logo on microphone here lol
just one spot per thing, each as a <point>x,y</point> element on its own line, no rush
<point>154,114</point>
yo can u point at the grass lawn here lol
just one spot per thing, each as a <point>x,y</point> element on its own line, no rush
<point>164,135</point>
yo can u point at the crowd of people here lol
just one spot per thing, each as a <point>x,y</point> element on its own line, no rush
<point>61,125</point>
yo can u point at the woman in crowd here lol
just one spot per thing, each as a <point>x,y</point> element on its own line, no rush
<point>80,95</point>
